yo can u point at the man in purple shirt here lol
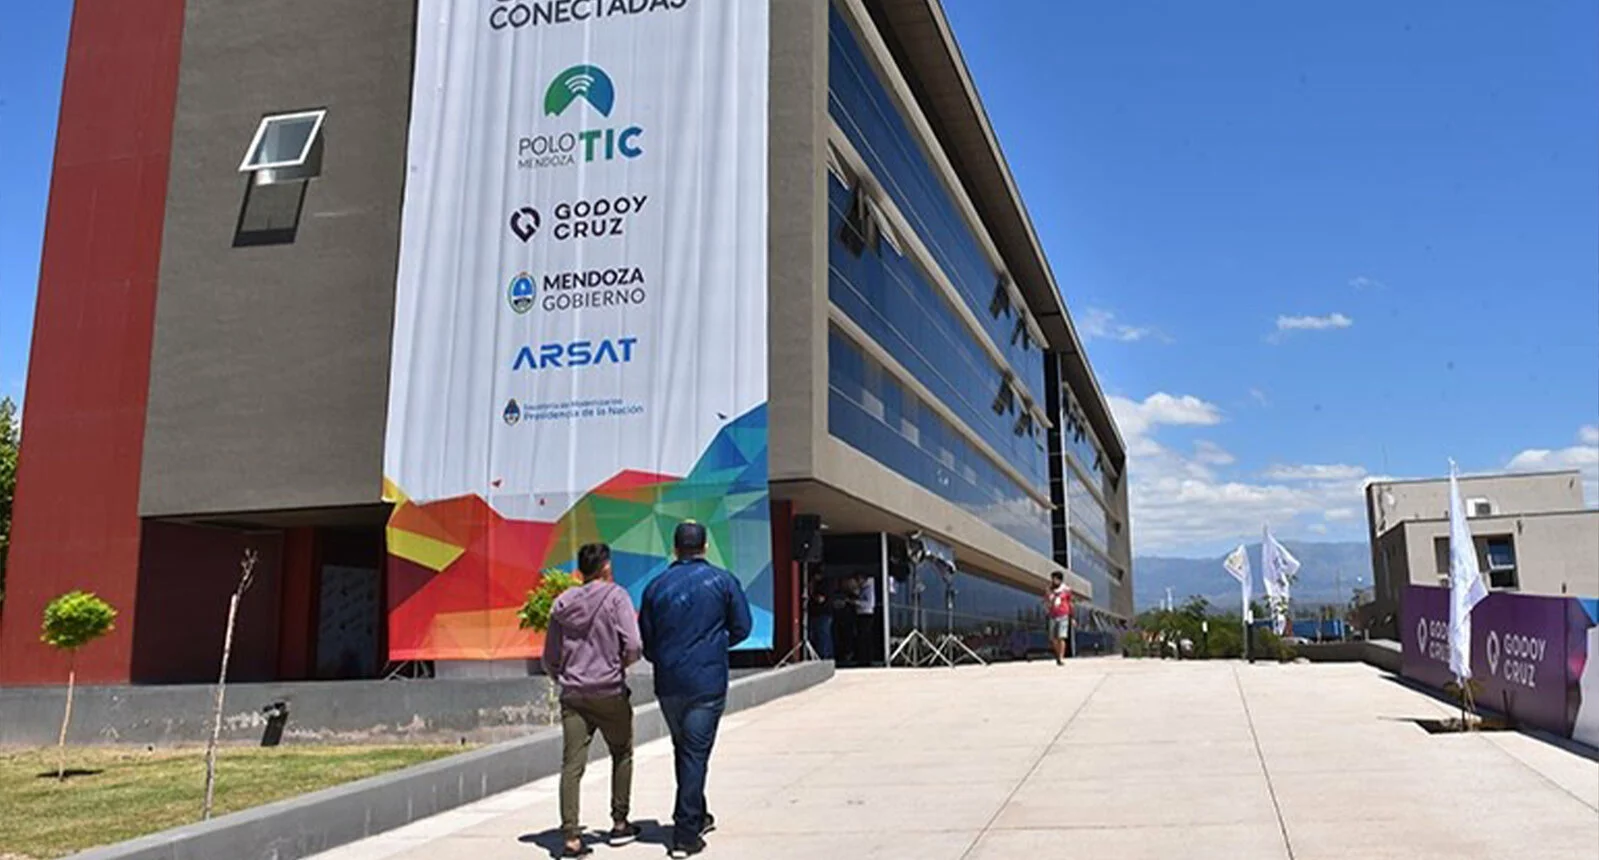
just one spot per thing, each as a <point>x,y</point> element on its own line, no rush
<point>593,638</point>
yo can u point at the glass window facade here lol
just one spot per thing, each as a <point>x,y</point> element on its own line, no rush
<point>892,300</point>
<point>995,619</point>
<point>1085,514</point>
<point>870,410</point>
<point>861,105</point>
<point>1092,565</point>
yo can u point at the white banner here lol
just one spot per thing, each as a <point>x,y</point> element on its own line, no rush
<point>583,267</point>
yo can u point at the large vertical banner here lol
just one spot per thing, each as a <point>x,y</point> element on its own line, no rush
<point>580,328</point>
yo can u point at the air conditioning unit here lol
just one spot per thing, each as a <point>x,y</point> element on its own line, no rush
<point>1479,508</point>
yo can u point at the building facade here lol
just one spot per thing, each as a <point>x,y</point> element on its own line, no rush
<point>210,365</point>
<point>1533,535</point>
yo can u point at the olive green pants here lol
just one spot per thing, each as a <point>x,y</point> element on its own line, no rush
<point>612,717</point>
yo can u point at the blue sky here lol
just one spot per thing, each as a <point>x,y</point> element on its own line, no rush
<point>33,50</point>
<point>1308,244</point>
<point>1320,242</point>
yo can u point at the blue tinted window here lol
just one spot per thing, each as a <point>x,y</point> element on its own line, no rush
<point>926,449</point>
<point>862,107</point>
<point>995,619</point>
<point>1093,566</point>
<point>890,298</point>
<point>1084,512</point>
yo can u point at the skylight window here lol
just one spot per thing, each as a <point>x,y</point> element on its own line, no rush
<point>284,142</point>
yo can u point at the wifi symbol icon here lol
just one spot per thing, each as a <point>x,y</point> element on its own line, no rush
<point>589,83</point>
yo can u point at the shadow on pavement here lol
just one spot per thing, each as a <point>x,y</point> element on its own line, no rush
<point>1567,744</point>
<point>553,841</point>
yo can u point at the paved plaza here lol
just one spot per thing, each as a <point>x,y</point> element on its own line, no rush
<point>1100,758</point>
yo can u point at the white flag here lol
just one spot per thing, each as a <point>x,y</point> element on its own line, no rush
<point>1237,564</point>
<point>1277,568</point>
<point>1465,582</point>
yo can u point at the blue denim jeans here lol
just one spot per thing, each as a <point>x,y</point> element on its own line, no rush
<point>692,722</point>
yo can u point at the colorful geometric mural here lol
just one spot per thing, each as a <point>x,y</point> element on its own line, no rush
<point>458,570</point>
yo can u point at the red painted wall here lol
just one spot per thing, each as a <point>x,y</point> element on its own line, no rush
<point>187,575</point>
<point>76,522</point>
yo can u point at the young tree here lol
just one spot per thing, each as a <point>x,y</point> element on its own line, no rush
<point>535,615</point>
<point>10,447</point>
<point>72,621</point>
<point>246,579</point>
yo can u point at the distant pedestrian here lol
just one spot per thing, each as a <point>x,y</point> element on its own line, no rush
<point>593,638</point>
<point>692,614</point>
<point>1058,603</point>
<point>868,625</point>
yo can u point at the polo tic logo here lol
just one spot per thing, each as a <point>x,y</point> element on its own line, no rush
<point>569,147</point>
<point>589,83</point>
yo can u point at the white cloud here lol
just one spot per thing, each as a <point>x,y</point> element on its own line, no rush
<point>1102,325</point>
<point>1212,454</point>
<point>1340,514</point>
<point>1583,456</point>
<point>1361,282</point>
<point>1313,472</point>
<point>1185,503</point>
<point>1135,418</point>
<point>1318,528</point>
<point>1330,321</point>
<point>1260,397</point>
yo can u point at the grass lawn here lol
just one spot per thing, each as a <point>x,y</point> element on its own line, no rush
<point>124,793</point>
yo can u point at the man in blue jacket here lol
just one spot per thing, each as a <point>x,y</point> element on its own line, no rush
<point>691,615</point>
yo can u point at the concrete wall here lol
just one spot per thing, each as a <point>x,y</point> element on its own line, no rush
<point>1556,554</point>
<point>797,323</point>
<point>269,376</point>
<point>345,712</point>
<point>1392,502</point>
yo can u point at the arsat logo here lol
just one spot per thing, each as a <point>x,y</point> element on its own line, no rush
<point>521,293</point>
<point>525,222</point>
<point>516,14</point>
<point>512,413</point>
<point>588,84</point>
<point>582,218</point>
<point>578,353</point>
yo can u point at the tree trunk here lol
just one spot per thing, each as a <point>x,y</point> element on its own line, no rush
<point>61,745</point>
<point>216,715</point>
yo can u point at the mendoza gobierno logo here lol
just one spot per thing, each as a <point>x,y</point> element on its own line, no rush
<point>516,14</point>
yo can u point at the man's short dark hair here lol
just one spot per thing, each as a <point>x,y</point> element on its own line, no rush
<point>1057,576</point>
<point>689,537</point>
<point>591,558</point>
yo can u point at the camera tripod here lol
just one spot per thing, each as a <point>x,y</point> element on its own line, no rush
<point>803,650</point>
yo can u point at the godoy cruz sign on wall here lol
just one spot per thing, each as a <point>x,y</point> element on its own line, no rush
<point>1529,654</point>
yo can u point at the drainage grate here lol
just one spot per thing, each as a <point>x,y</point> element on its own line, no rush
<point>1451,726</point>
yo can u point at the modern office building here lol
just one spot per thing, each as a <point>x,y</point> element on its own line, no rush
<point>1533,535</point>
<point>211,353</point>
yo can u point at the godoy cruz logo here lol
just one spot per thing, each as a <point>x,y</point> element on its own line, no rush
<point>589,84</point>
<point>581,218</point>
<point>525,223</point>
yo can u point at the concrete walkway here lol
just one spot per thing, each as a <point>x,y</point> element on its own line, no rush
<point>1101,758</point>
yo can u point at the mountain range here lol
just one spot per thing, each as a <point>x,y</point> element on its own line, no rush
<point>1328,574</point>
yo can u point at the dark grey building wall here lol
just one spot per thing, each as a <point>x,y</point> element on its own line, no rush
<point>269,373</point>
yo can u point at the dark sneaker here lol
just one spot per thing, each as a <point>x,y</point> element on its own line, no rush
<point>624,834</point>
<point>709,825</point>
<point>687,849</point>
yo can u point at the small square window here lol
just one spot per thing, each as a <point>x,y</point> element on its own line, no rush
<point>283,141</point>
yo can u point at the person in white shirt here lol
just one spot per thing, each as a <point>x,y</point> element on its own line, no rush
<point>868,632</point>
